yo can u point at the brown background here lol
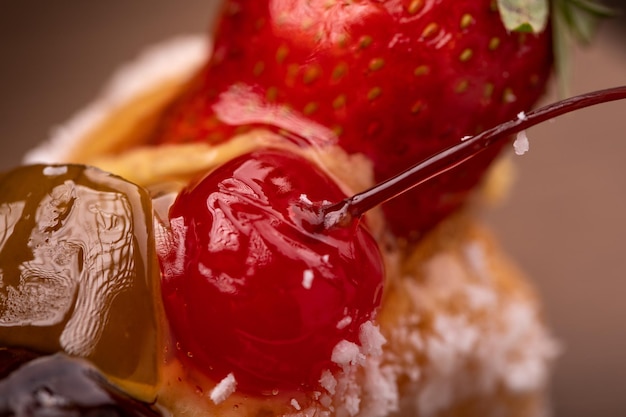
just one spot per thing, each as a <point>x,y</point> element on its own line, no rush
<point>565,221</point>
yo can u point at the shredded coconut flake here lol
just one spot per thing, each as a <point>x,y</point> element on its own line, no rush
<point>371,339</point>
<point>326,401</point>
<point>521,115</point>
<point>363,386</point>
<point>344,322</point>
<point>382,389</point>
<point>331,219</point>
<point>53,171</point>
<point>328,382</point>
<point>475,254</point>
<point>295,404</point>
<point>346,353</point>
<point>457,332</point>
<point>307,279</point>
<point>305,199</point>
<point>223,389</point>
<point>480,296</point>
<point>521,144</point>
<point>352,402</point>
<point>527,370</point>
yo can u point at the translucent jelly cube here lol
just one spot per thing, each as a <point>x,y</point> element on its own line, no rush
<point>78,272</point>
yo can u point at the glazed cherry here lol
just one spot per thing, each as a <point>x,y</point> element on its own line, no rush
<point>251,288</point>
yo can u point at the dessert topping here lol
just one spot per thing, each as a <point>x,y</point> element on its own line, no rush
<point>76,269</point>
<point>251,288</point>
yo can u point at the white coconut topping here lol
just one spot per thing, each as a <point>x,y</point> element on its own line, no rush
<point>307,279</point>
<point>463,337</point>
<point>172,59</point>
<point>305,199</point>
<point>521,144</point>
<point>295,404</point>
<point>334,217</point>
<point>328,382</point>
<point>475,254</point>
<point>371,339</point>
<point>347,353</point>
<point>223,389</point>
<point>481,296</point>
<point>308,412</point>
<point>53,171</point>
<point>364,386</point>
<point>344,322</point>
<point>529,370</point>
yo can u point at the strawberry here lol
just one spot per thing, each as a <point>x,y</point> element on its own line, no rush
<point>397,80</point>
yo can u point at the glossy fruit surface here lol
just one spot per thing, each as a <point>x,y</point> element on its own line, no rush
<point>77,270</point>
<point>251,289</point>
<point>395,80</point>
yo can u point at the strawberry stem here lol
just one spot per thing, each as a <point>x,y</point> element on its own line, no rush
<point>349,209</point>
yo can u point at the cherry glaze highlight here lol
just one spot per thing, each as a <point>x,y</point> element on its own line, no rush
<point>249,289</point>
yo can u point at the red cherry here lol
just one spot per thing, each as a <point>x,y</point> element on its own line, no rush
<point>250,289</point>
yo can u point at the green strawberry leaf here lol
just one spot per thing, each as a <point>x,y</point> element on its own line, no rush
<point>573,20</point>
<point>524,15</point>
<point>577,19</point>
<point>582,16</point>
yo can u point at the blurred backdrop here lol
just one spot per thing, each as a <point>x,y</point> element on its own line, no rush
<point>564,222</point>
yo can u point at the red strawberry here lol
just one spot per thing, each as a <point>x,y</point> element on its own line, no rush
<point>396,80</point>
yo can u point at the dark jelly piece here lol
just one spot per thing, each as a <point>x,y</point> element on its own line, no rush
<point>13,358</point>
<point>57,385</point>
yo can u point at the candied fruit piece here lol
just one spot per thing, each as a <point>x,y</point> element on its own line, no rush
<point>78,271</point>
<point>251,288</point>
